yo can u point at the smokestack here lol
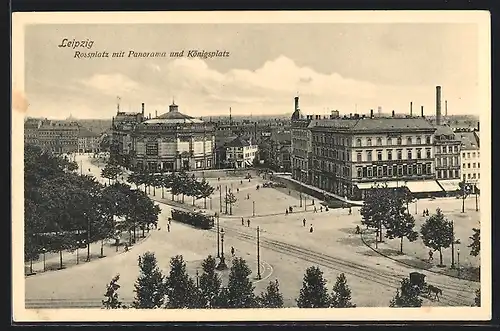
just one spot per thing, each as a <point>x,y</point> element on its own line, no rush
<point>371,113</point>
<point>438,105</point>
<point>296,103</point>
<point>156,113</point>
<point>411,108</point>
<point>446,108</point>
<point>142,107</point>
<point>393,113</point>
<point>149,115</point>
<point>422,111</point>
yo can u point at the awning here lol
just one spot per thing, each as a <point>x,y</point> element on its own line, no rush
<point>248,163</point>
<point>369,185</point>
<point>450,185</point>
<point>423,186</point>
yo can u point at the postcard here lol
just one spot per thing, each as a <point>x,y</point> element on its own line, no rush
<point>251,166</point>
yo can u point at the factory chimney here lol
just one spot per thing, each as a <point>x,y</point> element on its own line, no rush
<point>422,111</point>
<point>296,103</point>
<point>411,108</point>
<point>393,113</point>
<point>446,108</point>
<point>371,113</point>
<point>438,105</point>
<point>156,113</point>
<point>142,107</point>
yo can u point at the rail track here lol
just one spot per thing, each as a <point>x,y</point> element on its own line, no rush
<point>391,280</point>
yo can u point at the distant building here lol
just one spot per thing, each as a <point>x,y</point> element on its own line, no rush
<point>122,127</point>
<point>301,146</point>
<point>470,158</point>
<point>447,158</point>
<point>52,135</point>
<point>88,141</point>
<point>240,153</point>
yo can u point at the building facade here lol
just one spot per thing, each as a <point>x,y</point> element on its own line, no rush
<point>301,146</point>
<point>350,155</point>
<point>122,128</point>
<point>52,135</point>
<point>173,142</point>
<point>470,157</point>
<point>447,158</point>
<point>241,153</point>
<point>88,141</point>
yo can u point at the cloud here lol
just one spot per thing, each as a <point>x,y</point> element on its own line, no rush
<point>111,84</point>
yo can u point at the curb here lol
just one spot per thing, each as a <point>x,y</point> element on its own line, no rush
<point>409,265</point>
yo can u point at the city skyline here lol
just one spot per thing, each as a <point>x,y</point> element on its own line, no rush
<point>346,67</point>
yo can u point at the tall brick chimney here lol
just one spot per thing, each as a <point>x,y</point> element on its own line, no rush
<point>411,108</point>
<point>371,113</point>
<point>296,103</point>
<point>142,107</point>
<point>393,113</point>
<point>422,111</point>
<point>446,108</point>
<point>438,105</point>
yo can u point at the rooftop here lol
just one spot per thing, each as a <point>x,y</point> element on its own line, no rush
<point>469,140</point>
<point>238,142</point>
<point>374,124</point>
<point>173,116</point>
<point>86,133</point>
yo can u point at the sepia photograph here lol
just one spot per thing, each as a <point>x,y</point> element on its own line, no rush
<point>248,166</point>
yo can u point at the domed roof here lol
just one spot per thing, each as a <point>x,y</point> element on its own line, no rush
<point>173,117</point>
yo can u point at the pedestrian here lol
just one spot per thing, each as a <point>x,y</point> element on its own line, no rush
<point>126,248</point>
<point>241,182</point>
<point>289,192</point>
<point>286,212</point>
<point>218,179</point>
<point>315,210</point>
<point>358,230</point>
<point>232,250</point>
<point>168,227</point>
<point>248,196</point>
<point>238,190</point>
<point>242,221</point>
<point>431,258</point>
<point>321,209</point>
<point>326,208</point>
<point>313,202</point>
<point>248,222</point>
<point>249,180</point>
<point>291,209</point>
<point>304,222</point>
<point>311,229</point>
<point>350,211</point>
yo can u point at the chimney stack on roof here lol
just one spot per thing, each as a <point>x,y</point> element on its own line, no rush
<point>296,103</point>
<point>156,113</point>
<point>371,113</point>
<point>142,107</point>
<point>438,105</point>
<point>446,108</point>
<point>393,113</point>
<point>411,108</point>
<point>422,111</point>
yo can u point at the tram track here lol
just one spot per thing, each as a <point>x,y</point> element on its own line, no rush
<point>355,269</point>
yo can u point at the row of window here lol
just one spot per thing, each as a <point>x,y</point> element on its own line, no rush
<point>448,149</point>
<point>332,153</point>
<point>446,174</point>
<point>469,176</point>
<point>399,155</point>
<point>469,154</point>
<point>445,161</point>
<point>473,165</point>
<point>389,142</point>
<point>418,169</point>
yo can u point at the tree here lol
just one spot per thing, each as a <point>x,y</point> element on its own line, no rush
<point>437,233</point>
<point>112,299</point>
<point>149,287</point>
<point>180,289</point>
<point>313,293</point>
<point>230,199</point>
<point>465,191</point>
<point>475,245</point>
<point>272,297</point>
<point>111,172</point>
<point>376,208</point>
<point>477,298</point>
<point>400,223</point>
<point>240,290</point>
<point>210,283</point>
<point>341,295</point>
<point>205,191</point>
<point>406,296</point>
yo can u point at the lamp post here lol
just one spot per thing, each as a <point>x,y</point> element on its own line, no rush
<point>416,201</point>
<point>300,199</point>
<point>458,261</point>
<point>258,253</point>
<point>475,191</point>
<point>218,233</point>
<point>222,264</point>
<point>220,199</point>
<point>44,250</point>
<point>452,245</point>
<point>77,247</point>
<point>253,208</point>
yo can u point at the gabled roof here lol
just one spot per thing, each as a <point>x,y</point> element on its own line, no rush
<point>443,130</point>
<point>468,140</point>
<point>238,142</point>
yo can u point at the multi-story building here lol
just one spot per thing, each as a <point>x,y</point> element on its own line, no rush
<point>351,155</point>
<point>52,135</point>
<point>88,141</point>
<point>240,153</point>
<point>470,158</point>
<point>173,141</point>
<point>301,146</point>
<point>122,127</point>
<point>447,158</point>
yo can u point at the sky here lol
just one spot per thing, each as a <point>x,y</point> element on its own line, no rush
<point>331,66</point>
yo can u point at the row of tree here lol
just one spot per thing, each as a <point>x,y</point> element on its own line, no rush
<point>178,290</point>
<point>387,209</point>
<point>179,183</point>
<point>65,210</point>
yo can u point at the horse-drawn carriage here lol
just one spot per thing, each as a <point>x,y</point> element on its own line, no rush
<point>417,281</point>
